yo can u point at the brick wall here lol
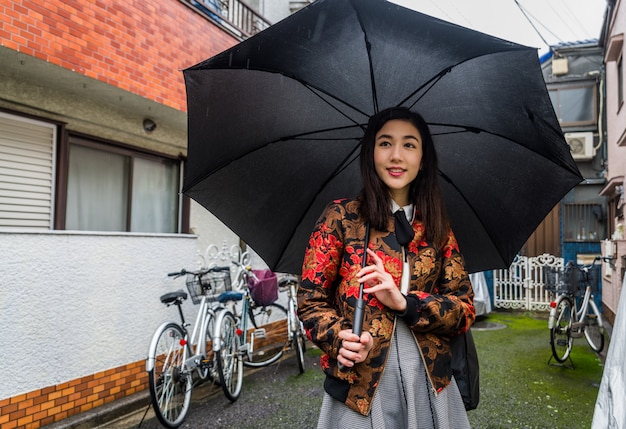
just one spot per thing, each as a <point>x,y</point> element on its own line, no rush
<point>139,45</point>
<point>54,403</point>
<point>51,404</point>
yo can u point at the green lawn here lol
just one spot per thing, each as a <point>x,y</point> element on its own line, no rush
<point>520,388</point>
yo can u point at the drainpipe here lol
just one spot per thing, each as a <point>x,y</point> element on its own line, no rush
<point>602,92</point>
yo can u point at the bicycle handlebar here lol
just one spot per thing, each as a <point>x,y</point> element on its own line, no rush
<point>199,272</point>
<point>587,267</point>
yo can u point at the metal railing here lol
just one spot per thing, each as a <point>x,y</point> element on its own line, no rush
<point>233,15</point>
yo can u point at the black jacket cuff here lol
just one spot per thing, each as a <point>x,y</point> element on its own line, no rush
<point>413,310</point>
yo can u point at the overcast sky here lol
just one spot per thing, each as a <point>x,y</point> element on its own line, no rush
<point>555,20</point>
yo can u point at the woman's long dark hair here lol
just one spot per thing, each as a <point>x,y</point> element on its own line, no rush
<point>424,192</point>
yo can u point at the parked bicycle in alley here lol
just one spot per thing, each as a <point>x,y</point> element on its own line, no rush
<point>574,313</point>
<point>236,324</point>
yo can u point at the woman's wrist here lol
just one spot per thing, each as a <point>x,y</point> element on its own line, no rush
<point>413,310</point>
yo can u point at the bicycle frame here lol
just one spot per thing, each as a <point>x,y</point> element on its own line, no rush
<point>192,361</point>
<point>200,325</point>
<point>580,312</point>
<point>243,318</point>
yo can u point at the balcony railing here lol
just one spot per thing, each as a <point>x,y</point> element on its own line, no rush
<point>233,15</point>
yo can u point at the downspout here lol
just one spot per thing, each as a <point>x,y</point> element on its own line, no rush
<point>601,114</point>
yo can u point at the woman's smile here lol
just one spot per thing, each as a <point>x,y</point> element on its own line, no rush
<point>395,172</point>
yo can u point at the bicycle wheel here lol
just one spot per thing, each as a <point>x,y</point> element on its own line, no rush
<point>268,335</point>
<point>170,383</point>
<point>228,359</point>
<point>594,329</point>
<point>206,348</point>
<point>297,334</point>
<point>560,334</point>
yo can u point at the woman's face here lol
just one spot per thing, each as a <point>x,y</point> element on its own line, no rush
<point>398,157</point>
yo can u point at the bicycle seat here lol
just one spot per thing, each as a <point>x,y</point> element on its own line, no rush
<point>230,296</point>
<point>171,297</point>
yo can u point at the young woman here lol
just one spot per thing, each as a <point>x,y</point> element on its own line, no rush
<point>418,295</point>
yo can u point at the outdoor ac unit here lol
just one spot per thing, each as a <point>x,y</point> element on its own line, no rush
<point>581,145</point>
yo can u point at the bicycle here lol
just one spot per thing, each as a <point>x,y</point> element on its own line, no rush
<point>296,328</point>
<point>273,330</point>
<point>574,312</point>
<point>174,355</point>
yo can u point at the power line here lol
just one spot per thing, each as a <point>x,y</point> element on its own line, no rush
<point>575,18</point>
<point>526,15</point>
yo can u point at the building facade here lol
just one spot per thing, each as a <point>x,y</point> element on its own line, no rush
<point>612,41</point>
<point>574,229</point>
<point>92,148</point>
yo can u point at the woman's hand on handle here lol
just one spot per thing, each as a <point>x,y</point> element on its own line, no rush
<point>378,281</point>
<point>354,349</point>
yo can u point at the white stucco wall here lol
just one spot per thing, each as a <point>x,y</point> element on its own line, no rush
<point>74,304</point>
<point>209,229</point>
<point>212,232</point>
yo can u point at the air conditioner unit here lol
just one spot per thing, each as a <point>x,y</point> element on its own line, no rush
<point>581,145</point>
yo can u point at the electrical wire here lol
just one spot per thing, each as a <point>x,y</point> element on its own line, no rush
<point>526,15</point>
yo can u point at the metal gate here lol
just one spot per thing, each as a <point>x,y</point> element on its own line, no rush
<point>521,286</point>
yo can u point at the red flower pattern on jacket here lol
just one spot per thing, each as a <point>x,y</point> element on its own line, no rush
<point>329,292</point>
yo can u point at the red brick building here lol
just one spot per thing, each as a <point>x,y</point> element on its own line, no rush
<point>92,143</point>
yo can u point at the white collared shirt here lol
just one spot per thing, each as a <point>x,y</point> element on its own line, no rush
<point>408,211</point>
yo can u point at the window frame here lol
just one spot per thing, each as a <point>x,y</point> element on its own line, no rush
<point>582,212</point>
<point>556,88</point>
<point>70,138</point>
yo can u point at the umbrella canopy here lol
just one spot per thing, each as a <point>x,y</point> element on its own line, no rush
<point>275,124</point>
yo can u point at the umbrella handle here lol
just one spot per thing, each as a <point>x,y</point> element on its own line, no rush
<point>359,308</point>
<point>358,317</point>
<point>358,324</point>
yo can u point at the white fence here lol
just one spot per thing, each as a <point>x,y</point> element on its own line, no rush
<point>521,286</point>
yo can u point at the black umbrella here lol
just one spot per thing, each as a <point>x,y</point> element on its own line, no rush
<point>275,123</point>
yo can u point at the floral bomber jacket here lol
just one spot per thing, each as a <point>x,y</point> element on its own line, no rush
<point>439,301</point>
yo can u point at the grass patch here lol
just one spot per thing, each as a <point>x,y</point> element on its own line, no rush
<point>522,388</point>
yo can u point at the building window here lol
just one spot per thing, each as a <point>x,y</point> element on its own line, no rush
<point>583,222</point>
<point>574,105</point>
<point>115,189</point>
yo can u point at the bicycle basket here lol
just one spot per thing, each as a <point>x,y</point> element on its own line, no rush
<point>263,289</point>
<point>210,284</point>
<point>559,280</point>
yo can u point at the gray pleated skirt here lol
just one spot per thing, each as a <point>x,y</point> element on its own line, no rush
<point>404,398</point>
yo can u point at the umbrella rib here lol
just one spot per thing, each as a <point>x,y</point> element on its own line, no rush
<point>317,91</point>
<point>485,229</point>
<point>345,162</point>
<point>313,89</point>
<point>431,83</point>
<point>368,48</point>
<point>475,130</point>
<point>285,138</point>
